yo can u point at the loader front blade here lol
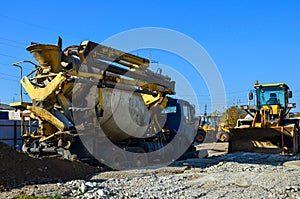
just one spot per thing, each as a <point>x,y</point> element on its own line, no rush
<point>273,140</point>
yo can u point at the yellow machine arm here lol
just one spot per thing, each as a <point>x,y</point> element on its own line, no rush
<point>51,88</point>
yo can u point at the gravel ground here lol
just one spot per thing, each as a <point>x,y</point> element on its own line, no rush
<point>238,175</point>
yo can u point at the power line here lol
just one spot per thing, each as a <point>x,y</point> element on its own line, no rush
<point>15,46</point>
<point>10,65</point>
<point>9,75</point>
<point>28,24</point>
<point>14,41</point>
<point>4,64</point>
<point>10,56</point>
<point>8,79</point>
<point>205,95</point>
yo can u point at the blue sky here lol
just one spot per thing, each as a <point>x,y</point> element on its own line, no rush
<point>248,40</point>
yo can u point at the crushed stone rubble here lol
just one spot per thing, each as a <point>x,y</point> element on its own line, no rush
<point>238,175</point>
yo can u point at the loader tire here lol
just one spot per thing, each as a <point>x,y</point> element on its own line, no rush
<point>222,136</point>
<point>200,137</point>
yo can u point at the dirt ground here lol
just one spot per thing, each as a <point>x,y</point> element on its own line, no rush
<point>220,175</point>
<point>18,169</point>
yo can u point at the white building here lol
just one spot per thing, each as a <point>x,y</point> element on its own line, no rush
<point>10,127</point>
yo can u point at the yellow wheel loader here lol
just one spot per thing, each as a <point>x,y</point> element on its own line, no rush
<point>270,130</point>
<point>210,130</point>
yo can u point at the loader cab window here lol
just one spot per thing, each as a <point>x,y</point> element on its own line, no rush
<point>270,96</point>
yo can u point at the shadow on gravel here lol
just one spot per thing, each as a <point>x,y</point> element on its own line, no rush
<point>239,157</point>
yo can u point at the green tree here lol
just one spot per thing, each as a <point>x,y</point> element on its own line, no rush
<point>232,114</point>
<point>297,114</point>
<point>216,113</point>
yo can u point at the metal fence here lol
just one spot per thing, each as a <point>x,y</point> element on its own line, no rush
<point>10,132</point>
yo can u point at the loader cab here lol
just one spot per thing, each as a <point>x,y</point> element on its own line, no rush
<point>272,94</point>
<point>212,121</point>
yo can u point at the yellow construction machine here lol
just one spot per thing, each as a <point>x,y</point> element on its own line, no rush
<point>269,130</point>
<point>210,129</point>
<point>125,97</point>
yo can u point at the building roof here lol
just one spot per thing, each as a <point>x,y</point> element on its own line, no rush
<point>5,107</point>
